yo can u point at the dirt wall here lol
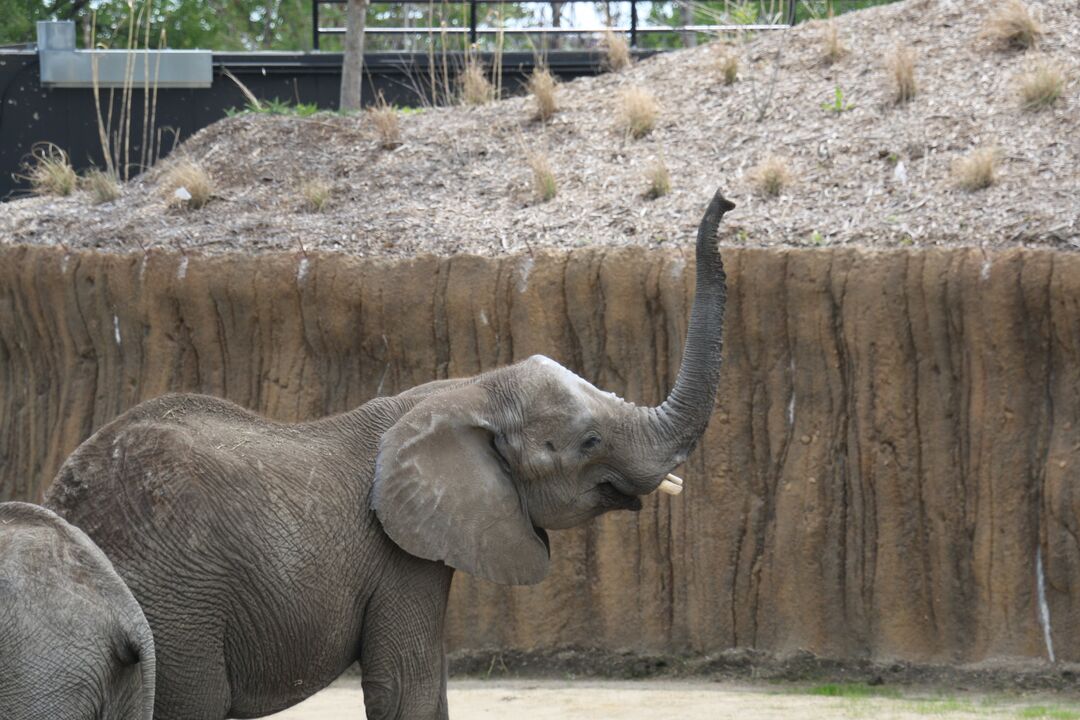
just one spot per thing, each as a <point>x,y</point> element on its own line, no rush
<point>893,458</point>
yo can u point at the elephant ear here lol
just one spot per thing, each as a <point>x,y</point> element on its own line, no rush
<point>442,493</point>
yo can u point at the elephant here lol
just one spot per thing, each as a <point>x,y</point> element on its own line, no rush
<point>74,644</point>
<point>270,556</point>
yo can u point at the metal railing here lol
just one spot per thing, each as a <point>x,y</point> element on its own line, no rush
<point>635,29</point>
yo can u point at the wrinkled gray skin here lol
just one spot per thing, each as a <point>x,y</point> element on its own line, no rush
<point>74,644</point>
<point>268,557</point>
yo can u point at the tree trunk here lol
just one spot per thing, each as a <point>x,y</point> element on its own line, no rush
<point>556,22</point>
<point>689,38</point>
<point>352,68</point>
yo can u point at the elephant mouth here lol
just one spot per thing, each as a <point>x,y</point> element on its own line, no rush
<point>611,498</point>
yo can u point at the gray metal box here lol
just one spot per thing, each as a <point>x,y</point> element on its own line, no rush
<point>64,66</point>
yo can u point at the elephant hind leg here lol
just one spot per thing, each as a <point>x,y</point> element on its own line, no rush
<point>193,684</point>
<point>402,658</point>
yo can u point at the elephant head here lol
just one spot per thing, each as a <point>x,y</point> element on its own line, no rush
<point>475,471</point>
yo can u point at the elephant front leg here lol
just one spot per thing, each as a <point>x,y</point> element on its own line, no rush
<point>402,656</point>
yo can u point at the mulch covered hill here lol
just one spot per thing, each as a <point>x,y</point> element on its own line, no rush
<point>875,174</point>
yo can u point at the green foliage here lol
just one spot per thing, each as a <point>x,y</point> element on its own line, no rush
<point>853,690</point>
<point>286,24</point>
<point>235,25</point>
<point>275,106</point>
<point>817,9</point>
<point>19,17</point>
<point>839,104</point>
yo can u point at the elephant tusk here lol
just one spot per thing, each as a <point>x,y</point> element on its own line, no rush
<point>671,485</point>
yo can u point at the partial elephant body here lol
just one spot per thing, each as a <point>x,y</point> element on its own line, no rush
<point>74,644</point>
<point>268,557</point>
<point>277,561</point>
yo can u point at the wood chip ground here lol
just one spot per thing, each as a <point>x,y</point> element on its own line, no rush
<point>877,174</point>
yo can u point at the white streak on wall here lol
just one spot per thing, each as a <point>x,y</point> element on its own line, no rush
<point>791,400</point>
<point>1044,609</point>
<point>483,317</point>
<point>181,272</point>
<point>64,263</point>
<point>676,268</point>
<point>984,273</point>
<point>523,281</point>
<point>116,328</point>
<point>301,271</point>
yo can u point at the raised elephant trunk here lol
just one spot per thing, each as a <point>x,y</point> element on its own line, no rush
<point>673,429</point>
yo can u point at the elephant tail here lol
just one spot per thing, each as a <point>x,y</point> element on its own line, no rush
<point>142,641</point>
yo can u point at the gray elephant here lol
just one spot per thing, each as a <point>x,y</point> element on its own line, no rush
<point>268,557</point>
<point>74,644</point>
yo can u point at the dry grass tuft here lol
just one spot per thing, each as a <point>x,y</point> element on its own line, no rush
<point>1040,85</point>
<point>384,117</point>
<point>977,170</point>
<point>901,64</point>
<point>1012,26</point>
<point>771,176</point>
<point>543,179</point>
<point>476,89</point>
<point>659,178</point>
<point>316,193</point>
<point>187,184</point>
<point>727,64</point>
<point>616,51</point>
<point>833,47</point>
<point>102,186</point>
<point>638,111</point>
<point>542,86</point>
<point>49,171</point>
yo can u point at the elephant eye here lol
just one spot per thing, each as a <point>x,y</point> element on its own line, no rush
<point>590,442</point>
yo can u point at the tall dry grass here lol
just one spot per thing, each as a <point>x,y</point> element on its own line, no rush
<point>101,185</point>
<point>770,176</point>
<point>638,111</point>
<point>901,66</point>
<point>544,184</point>
<point>384,117</point>
<point>116,141</point>
<point>473,82</point>
<point>616,51</point>
<point>315,193</point>
<point>187,184</point>
<point>833,48</point>
<point>1012,26</point>
<point>1040,85</point>
<point>659,179</point>
<point>977,170</point>
<point>727,66</point>
<point>49,171</point>
<point>542,86</point>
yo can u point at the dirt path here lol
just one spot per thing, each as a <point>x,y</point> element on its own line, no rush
<point>696,700</point>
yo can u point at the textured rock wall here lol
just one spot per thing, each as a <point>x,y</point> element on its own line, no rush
<point>893,453</point>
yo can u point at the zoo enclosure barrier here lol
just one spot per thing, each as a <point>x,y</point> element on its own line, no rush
<point>635,29</point>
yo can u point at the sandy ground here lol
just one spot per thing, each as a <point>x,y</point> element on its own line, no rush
<point>695,700</point>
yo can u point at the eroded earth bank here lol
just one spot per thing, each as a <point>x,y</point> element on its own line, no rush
<point>891,471</point>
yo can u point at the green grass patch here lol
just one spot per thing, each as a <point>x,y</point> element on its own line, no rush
<point>275,107</point>
<point>944,706</point>
<point>1049,712</point>
<point>853,690</point>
